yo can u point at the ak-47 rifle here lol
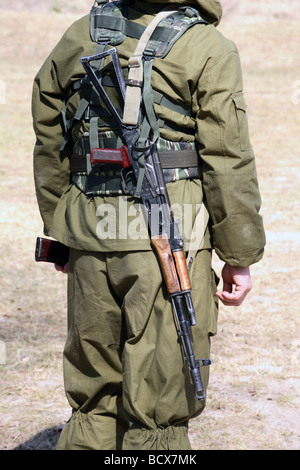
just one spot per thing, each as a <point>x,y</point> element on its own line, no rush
<point>164,233</point>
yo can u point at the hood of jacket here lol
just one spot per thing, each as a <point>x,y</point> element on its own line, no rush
<point>210,10</point>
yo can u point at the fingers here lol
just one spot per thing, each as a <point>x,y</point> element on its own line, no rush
<point>64,269</point>
<point>236,285</point>
<point>233,299</point>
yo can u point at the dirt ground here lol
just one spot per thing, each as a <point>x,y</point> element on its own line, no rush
<point>253,400</point>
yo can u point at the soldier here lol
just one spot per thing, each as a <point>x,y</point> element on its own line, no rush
<point>125,375</point>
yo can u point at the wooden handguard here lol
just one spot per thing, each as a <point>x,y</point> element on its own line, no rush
<point>162,246</point>
<point>182,271</point>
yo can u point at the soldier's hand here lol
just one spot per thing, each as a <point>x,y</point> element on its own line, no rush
<point>64,269</point>
<point>236,285</point>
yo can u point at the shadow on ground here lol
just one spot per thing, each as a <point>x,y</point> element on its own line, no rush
<point>44,440</point>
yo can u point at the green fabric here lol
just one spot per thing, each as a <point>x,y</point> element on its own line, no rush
<point>112,224</point>
<point>125,376</point>
<point>210,78</point>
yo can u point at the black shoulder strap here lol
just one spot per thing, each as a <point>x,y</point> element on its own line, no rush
<point>109,23</point>
<point>170,30</point>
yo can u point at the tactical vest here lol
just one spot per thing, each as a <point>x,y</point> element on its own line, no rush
<point>109,27</point>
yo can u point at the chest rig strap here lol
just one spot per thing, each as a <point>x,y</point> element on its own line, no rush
<point>109,26</point>
<point>158,38</point>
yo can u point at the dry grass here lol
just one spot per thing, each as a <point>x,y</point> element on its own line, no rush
<point>253,400</point>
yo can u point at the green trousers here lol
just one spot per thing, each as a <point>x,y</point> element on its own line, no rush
<point>125,374</point>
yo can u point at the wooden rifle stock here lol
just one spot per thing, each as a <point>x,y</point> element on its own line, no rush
<point>175,273</point>
<point>162,246</point>
<point>182,270</point>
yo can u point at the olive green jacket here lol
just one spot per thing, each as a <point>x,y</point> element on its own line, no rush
<point>202,68</point>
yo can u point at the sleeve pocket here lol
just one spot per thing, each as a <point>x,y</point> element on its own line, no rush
<point>240,110</point>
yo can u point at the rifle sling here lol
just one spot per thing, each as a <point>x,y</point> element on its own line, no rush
<point>136,72</point>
